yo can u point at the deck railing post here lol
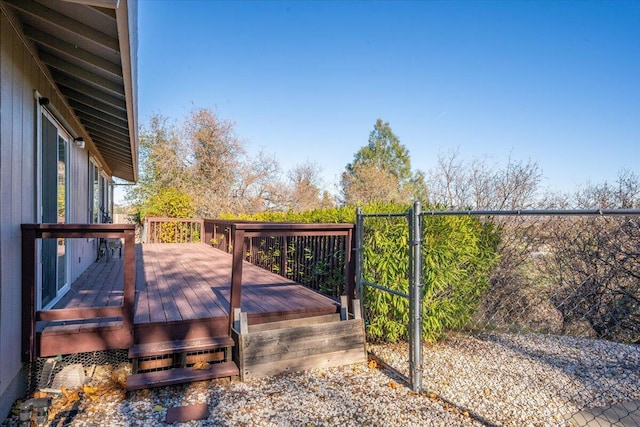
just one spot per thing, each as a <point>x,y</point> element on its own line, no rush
<point>349,274</point>
<point>129,282</point>
<point>237,240</point>
<point>28,294</point>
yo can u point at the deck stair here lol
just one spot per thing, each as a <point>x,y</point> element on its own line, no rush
<point>165,363</point>
<point>274,348</point>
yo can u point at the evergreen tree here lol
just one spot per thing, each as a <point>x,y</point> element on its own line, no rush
<point>381,171</point>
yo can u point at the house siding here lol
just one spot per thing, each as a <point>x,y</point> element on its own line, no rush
<point>12,205</point>
<point>20,77</point>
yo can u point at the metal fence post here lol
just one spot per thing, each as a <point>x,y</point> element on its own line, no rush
<point>415,298</point>
<point>358,256</point>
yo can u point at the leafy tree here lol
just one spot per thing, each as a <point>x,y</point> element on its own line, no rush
<point>381,171</point>
<point>215,153</point>
<point>170,203</point>
<point>368,183</point>
<point>305,183</point>
<point>384,151</point>
<point>258,186</point>
<point>204,159</point>
<point>161,162</point>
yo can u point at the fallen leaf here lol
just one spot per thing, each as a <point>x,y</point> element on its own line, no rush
<point>90,389</point>
<point>69,396</point>
<point>120,374</point>
<point>201,365</point>
<point>392,384</point>
<point>95,393</point>
<point>16,408</point>
<point>158,408</point>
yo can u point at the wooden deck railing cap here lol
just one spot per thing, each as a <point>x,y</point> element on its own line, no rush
<point>292,226</point>
<point>77,227</point>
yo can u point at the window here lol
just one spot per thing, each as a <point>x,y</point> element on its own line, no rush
<point>100,195</point>
<point>94,192</point>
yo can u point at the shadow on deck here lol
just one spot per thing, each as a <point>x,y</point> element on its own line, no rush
<point>182,293</point>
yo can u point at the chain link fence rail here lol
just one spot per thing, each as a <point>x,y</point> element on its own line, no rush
<point>554,332</point>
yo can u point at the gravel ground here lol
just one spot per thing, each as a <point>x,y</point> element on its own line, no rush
<point>518,380</point>
<point>524,379</point>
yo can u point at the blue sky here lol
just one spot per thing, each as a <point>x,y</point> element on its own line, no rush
<point>554,82</point>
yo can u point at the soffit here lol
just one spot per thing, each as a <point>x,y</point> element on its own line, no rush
<point>88,48</point>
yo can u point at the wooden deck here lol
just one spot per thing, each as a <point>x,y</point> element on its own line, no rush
<point>182,293</point>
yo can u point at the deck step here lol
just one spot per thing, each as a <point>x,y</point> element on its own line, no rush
<point>181,375</point>
<point>302,321</point>
<point>178,346</point>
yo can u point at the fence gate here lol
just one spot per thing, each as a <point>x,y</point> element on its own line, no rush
<point>513,317</point>
<point>411,222</point>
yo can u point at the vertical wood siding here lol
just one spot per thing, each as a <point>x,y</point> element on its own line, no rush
<point>20,76</point>
<point>11,66</point>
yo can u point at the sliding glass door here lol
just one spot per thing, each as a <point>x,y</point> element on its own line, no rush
<point>54,195</point>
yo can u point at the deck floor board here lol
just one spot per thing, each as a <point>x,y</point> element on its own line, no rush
<point>183,290</point>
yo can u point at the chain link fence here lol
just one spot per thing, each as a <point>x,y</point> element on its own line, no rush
<point>552,334</point>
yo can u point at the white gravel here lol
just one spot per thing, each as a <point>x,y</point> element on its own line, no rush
<point>524,379</point>
<point>347,396</point>
<point>514,380</point>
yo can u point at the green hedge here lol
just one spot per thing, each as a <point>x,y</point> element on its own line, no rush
<point>458,256</point>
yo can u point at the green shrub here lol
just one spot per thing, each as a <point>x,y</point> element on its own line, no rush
<point>170,203</point>
<point>458,255</point>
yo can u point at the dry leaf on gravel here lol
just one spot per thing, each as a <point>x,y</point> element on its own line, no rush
<point>372,364</point>
<point>95,393</point>
<point>120,374</point>
<point>64,402</point>
<point>69,396</point>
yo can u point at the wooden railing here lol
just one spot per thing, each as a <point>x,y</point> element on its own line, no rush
<point>291,246</point>
<point>173,230</point>
<point>30,234</point>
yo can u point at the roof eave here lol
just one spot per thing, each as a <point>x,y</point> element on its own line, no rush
<point>126,16</point>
